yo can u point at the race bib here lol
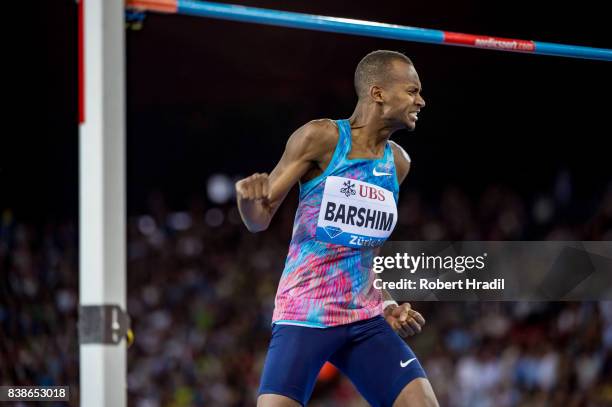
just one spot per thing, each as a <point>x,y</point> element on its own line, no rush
<point>355,213</point>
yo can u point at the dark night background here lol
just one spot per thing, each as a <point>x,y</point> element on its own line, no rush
<point>207,96</point>
<point>509,147</point>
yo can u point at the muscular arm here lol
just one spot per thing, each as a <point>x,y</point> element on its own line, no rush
<point>259,196</point>
<point>402,318</point>
<point>402,167</point>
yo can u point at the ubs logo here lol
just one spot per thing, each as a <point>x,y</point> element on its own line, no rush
<point>349,189</point>
<point>371,193</point>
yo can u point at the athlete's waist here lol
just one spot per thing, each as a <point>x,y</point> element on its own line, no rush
<point>310,313</point>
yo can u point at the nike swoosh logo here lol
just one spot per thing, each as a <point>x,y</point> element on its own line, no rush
<point>378,174</point>
<point>406,363</point>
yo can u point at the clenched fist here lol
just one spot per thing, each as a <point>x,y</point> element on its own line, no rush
<point>404,319</point>
<point>255,187</point>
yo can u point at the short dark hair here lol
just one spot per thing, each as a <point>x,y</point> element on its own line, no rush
<point>374,67</point>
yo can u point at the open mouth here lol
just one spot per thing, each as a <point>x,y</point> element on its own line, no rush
<point>414,116</point>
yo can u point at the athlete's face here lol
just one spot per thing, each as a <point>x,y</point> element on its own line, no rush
<point>401,96</point>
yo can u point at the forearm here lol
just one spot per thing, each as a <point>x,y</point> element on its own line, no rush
<point>255,215</point>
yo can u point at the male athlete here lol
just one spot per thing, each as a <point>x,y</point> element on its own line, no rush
<point>326,308</point>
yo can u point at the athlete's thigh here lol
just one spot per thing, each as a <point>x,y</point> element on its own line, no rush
<point>295,357</point>
<point>276,400</point>
<point>417,393</point>
<point>378,362</point>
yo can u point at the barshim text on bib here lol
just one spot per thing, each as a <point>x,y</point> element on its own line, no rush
<point>355,213</point>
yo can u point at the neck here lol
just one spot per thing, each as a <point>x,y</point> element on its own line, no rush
<point>369,129</point>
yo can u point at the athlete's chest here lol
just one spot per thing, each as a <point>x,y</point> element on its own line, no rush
<point>365,167</point>
<point>377,172</point>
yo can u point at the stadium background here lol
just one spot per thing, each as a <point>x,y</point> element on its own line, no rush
<point>509,147</point>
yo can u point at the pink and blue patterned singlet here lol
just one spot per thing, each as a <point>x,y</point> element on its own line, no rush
<point>343,216</point>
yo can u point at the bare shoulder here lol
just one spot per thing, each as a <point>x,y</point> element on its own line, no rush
<point>316,138</point>
<point>402,160</point>
<point>321,132</point>
<point>399,154</point>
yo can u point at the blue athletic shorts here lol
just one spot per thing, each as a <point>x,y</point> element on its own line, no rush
<point>378,362</point>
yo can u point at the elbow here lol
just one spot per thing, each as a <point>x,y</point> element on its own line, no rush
<point>256,228</point>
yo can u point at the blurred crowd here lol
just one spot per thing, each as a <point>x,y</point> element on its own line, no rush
<point>201,293</point>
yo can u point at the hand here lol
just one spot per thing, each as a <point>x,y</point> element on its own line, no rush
<point>404,320</point>
<point>253,188</point>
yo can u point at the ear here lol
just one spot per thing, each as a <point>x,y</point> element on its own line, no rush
<point>376,93</point>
